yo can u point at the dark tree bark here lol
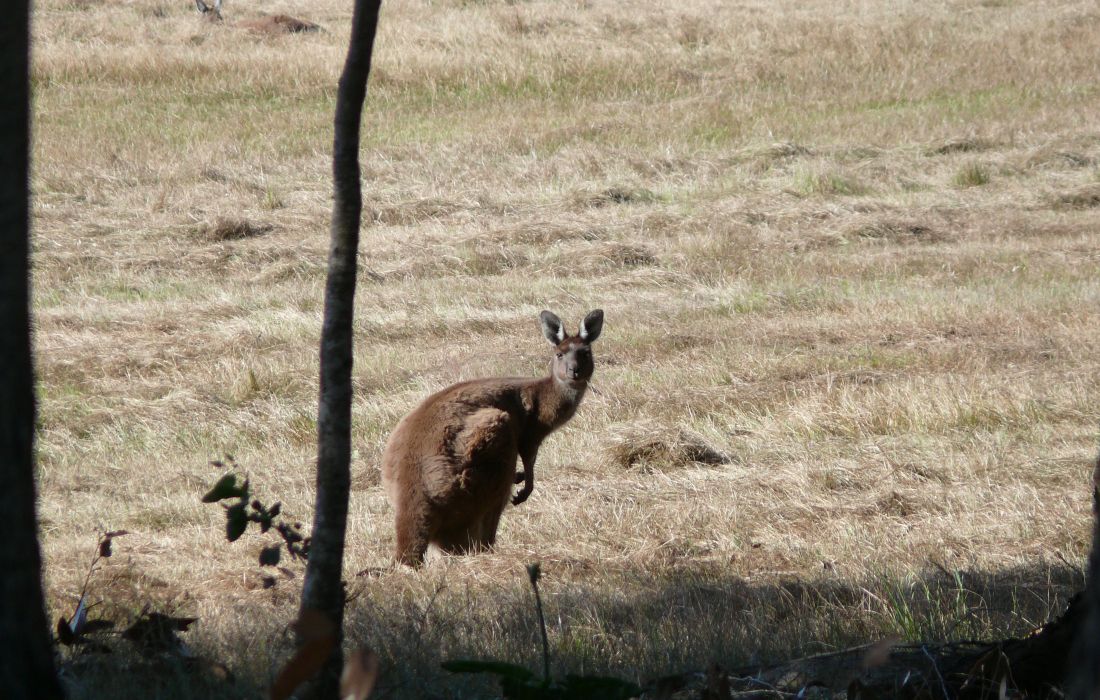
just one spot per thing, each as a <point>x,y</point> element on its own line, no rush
<point>1084,681</point>
<point>323,589</point>
<point>26,660</point>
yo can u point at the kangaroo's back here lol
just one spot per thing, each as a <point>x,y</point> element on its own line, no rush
<point>450,464</point>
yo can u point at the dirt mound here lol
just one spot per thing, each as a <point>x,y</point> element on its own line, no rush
<point>649,446</point>
<point>226,229</point>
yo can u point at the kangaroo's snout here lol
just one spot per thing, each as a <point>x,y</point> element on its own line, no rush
<point>573,361</point>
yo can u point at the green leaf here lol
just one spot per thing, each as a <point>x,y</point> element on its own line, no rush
<point>534,572</point>
<point>64,632</point>
<point>225,488</point>
<point>499,668</point>
<point>236,520</point>
<point>269,556</point>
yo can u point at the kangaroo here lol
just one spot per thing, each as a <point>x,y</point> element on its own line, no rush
<point>450,464</point>
<point>267,24</point>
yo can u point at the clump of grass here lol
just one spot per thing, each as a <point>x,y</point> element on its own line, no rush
<point>272,200</point>
<point>971,175</point>
<point>649,446</point>
<point>818,183</point>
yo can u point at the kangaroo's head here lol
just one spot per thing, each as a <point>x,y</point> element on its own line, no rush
<point>211,13</point>
<point>572,364</point>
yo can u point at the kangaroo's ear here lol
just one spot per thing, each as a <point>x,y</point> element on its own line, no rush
<point>592,325</point>
<point>552,328</point>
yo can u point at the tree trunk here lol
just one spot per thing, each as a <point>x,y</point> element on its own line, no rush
<point>1084,680</point>
<point>26,660</point>
<point>323,589</point>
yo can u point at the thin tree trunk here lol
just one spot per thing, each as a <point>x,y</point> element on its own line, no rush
<point>323,589</point>
<point>26,660</point>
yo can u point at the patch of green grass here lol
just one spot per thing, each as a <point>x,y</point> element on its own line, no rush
<point>916,612</point>
<point>168,516</point>
<point>752,302</point>
<point>972,174</point>
<point>172,118</point>
<point>272,200</point>
<point>809,184</point>
<point>953,102</point>
<point>141,291</point>
<point>301,428</point>
<point>566,82</point>
<point>869,357</point>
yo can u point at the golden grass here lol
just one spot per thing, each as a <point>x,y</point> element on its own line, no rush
<point>775,204</point>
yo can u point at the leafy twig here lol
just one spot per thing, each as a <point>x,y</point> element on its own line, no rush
<point>534,572</point>
<point>251,510</point>
<point>73,630</point>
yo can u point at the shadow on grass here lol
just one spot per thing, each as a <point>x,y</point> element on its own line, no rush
<point>630,623</point>
<point>639,625</point>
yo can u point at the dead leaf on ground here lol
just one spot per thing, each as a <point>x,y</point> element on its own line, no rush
<point>878,654</point>
<point>359,675</point>
<point>318,638</point>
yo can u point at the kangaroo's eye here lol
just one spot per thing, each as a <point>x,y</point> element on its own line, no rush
<point>559,355</point>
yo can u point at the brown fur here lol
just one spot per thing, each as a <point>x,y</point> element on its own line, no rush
<point>268,24</point>
<point>449,466</point>
<point>277,24</point>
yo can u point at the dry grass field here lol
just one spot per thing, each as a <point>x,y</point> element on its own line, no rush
<point>848,252</point>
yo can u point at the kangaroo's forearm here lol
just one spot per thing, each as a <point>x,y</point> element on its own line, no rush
<point>526,477</point>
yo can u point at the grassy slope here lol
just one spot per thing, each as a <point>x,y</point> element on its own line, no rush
<point>852,246</point>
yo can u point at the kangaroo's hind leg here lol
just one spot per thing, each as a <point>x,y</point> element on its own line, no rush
<point>474,528</point>
<point>457,538</point>
<point>487,527</point>
<point>479,533</point>
<point>411,525</point>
